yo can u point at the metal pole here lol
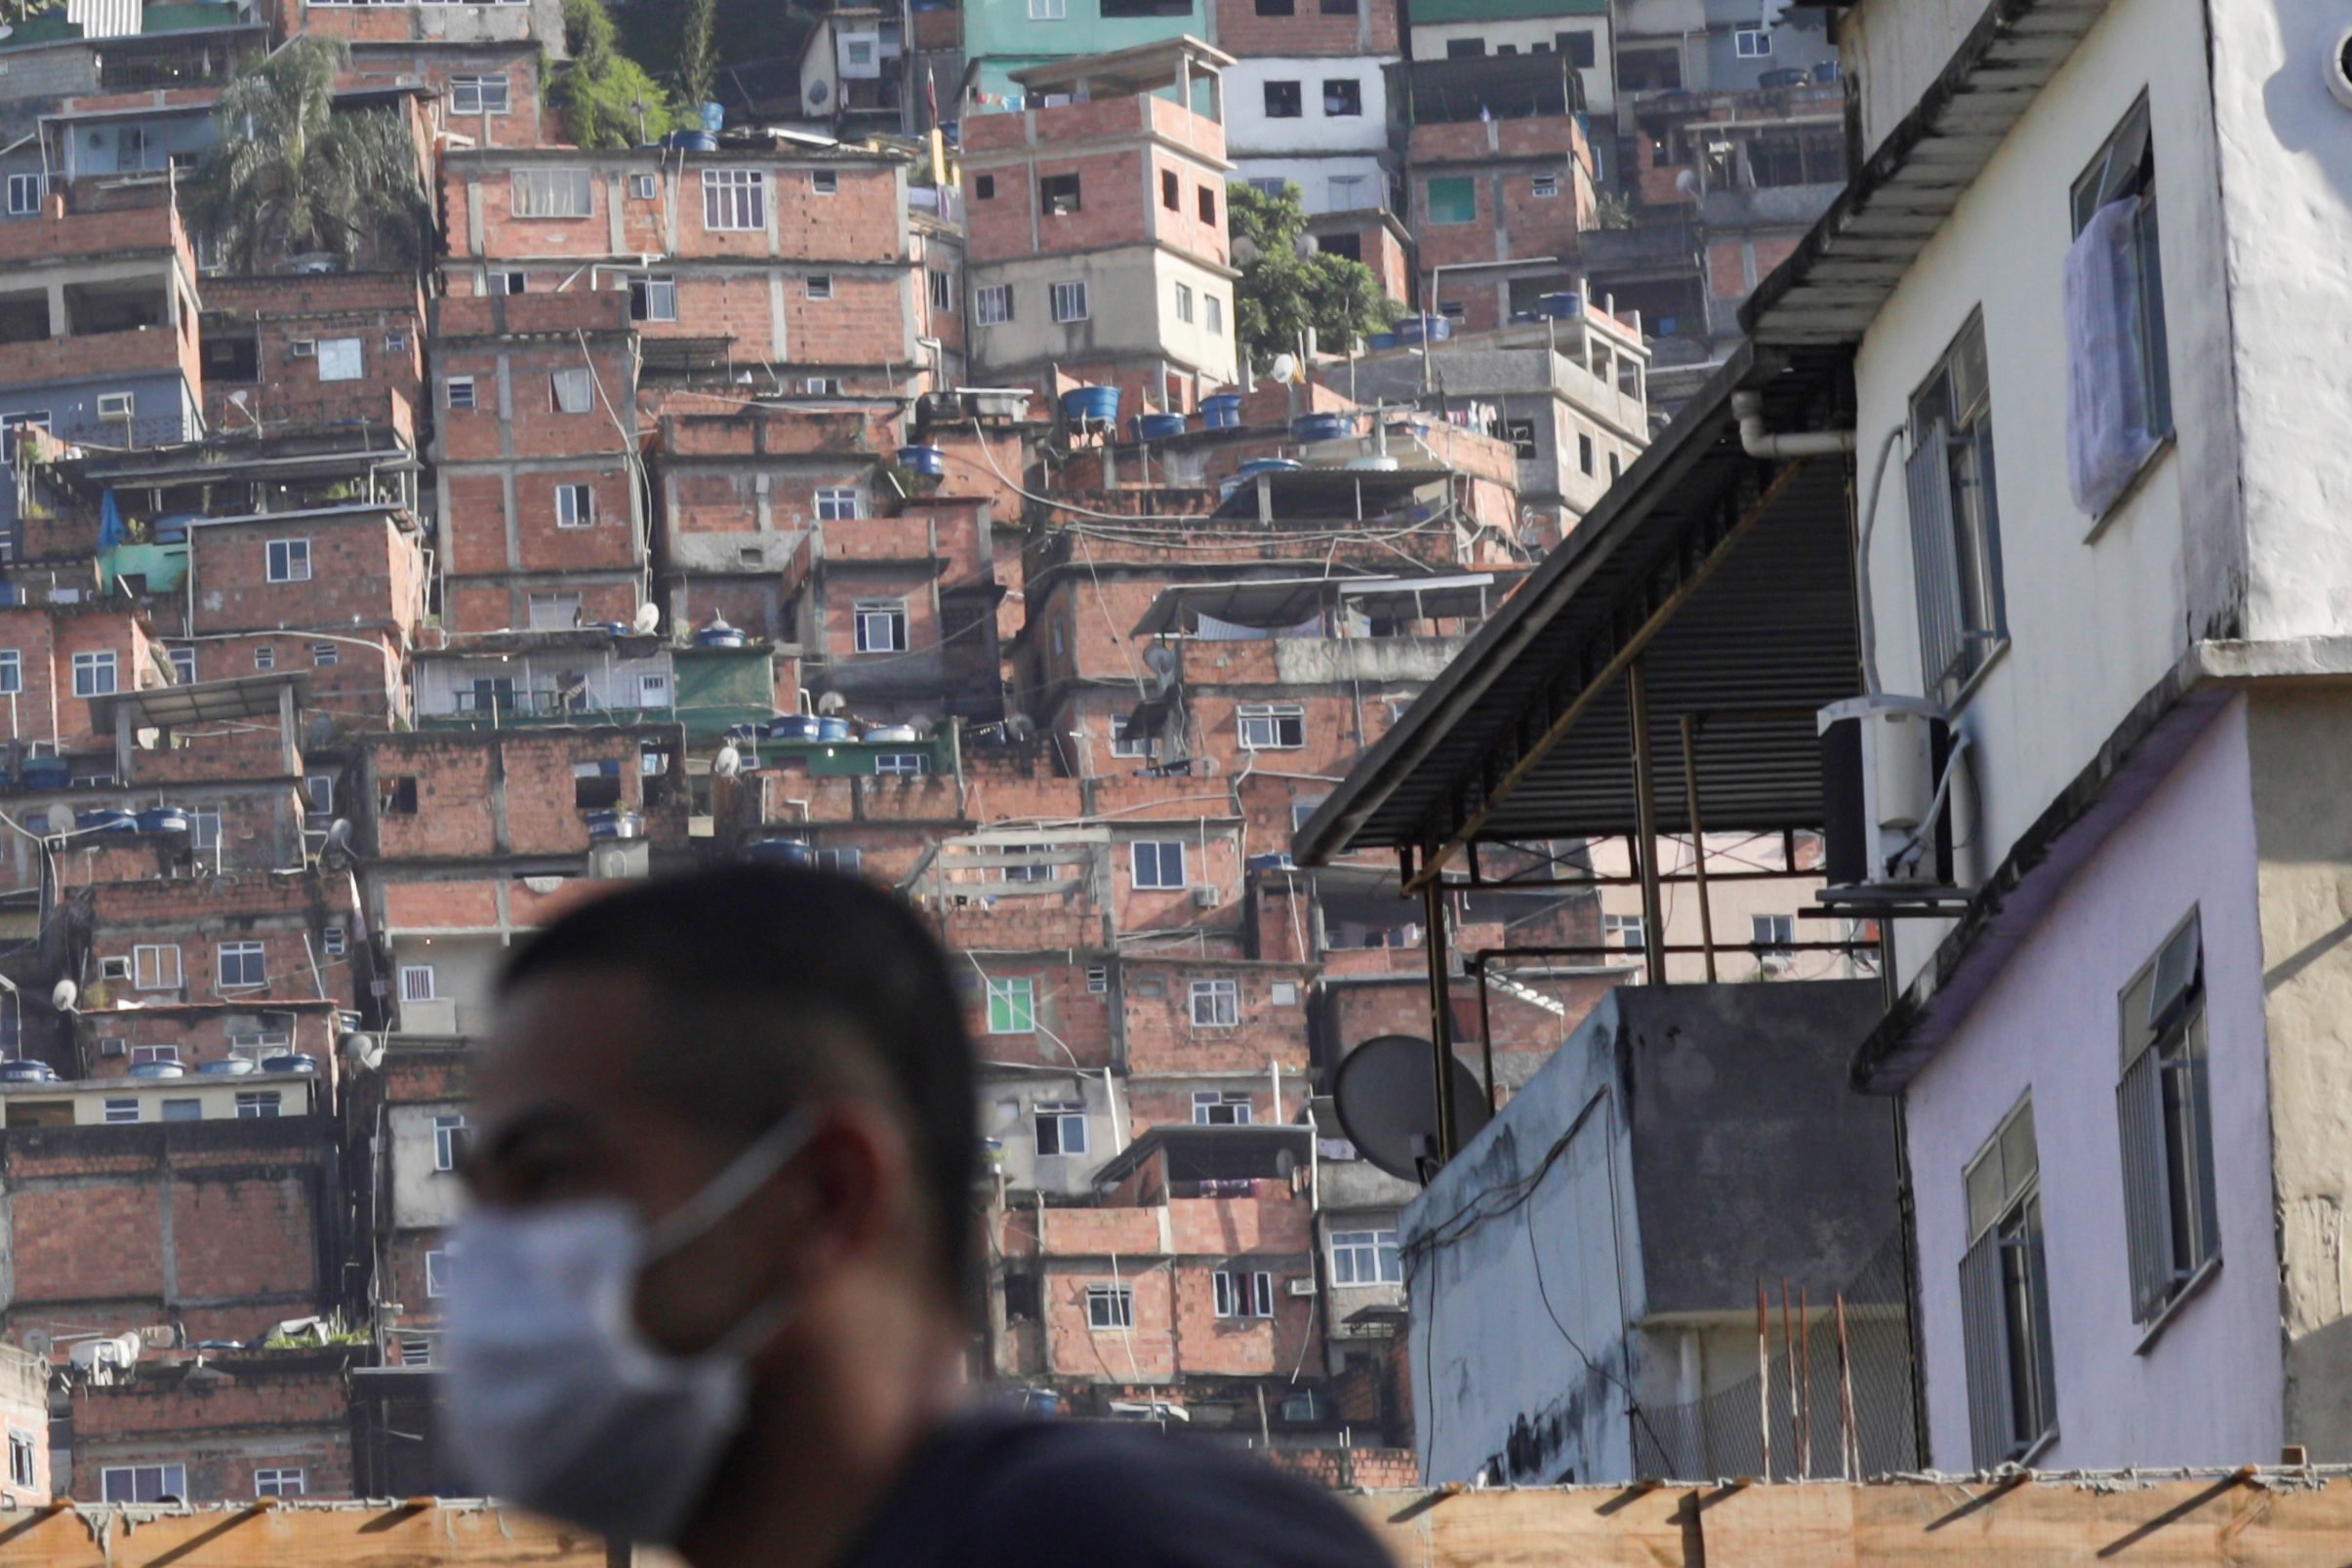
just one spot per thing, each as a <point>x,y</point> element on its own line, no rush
<point>1699,836</point>
<point>1487,1035</point>
<point>1440,1015</point>
<point>1645,808</point>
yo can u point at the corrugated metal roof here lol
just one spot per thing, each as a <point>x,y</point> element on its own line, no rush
<point>105,18</point>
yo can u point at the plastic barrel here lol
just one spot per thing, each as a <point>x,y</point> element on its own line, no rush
<point>1158,426</point>
<point>1097,405</point>
<point>1222,412</point>
<point>1318,427</point>
<point>793,727</point>
<point>928,461</point>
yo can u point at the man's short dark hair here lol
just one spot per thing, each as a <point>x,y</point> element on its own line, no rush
<point>778,984</point>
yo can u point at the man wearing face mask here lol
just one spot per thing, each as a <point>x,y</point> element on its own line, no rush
<point>715,1292</point>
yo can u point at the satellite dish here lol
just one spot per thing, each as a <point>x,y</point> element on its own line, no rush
<point>728,763</point>
<point>1306,245</point>
<point>1387,1102</point>
<point>1284,368</point>
<point>363,1053</point>
<point>924,725</point>
<point>1021,727</point>
<point>62,994</point>
<point>339,836</point>
<point>37,1341</point>
<point>1245,250</point>
<point>1687,182</point>
<point>647,619</point>
<point>1160,659</point>
<point>832,703</point>
<point>61,820</point>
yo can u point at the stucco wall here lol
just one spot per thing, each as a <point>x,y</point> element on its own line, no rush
<point>2095,615</point>
<point>1250,132</point>
<point>1314,176</point>
<point>1893,50</point>
<point>2207,1391</point>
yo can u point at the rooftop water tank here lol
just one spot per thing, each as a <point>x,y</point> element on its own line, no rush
<point>1156,427</point>
<point>1319,427</point>
<point>1413,331</point>
<point>1222,412</point>
<point>928,461</point>
<point>1091,405</point>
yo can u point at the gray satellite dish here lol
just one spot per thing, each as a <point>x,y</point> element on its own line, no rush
<point>1387,1098</point>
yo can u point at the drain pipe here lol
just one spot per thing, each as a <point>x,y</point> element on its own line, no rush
<point>1748,407</point>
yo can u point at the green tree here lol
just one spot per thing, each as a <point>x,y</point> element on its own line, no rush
<point>1283,293</point>
<point>294,174</point>
<point>605,97</point>
<point>695,63</point>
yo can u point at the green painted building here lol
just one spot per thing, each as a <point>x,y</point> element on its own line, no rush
<point>1003,36</point>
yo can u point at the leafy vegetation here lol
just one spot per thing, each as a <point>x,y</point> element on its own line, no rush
<point>606,99</point>
<point>1282,293</point>
<point>292,173</point>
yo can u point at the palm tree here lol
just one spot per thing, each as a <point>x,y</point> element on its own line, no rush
<point>291,174</point>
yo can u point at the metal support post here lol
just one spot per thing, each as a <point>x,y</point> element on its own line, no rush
<point>1699,836</point>
<point>1485,1034</point>
<point>1440,1014</point>
<point>1645,810</point>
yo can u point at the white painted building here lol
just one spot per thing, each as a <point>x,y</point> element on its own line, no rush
<point>1317,121</point>
<point>2122,1064</point>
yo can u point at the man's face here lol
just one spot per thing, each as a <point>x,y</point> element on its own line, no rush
<point>566,1116</point>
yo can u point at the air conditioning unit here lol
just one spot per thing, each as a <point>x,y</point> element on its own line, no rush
<point>1208,898</point>
<point>1303,1287</point>
<point>1886,765</point>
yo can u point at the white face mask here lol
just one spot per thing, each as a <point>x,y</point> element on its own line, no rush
<point>556,1400</point>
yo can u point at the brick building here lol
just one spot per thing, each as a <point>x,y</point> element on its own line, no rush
<point>261,1424</point>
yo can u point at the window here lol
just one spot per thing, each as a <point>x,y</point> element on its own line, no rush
<point>992,304</point>
<point>1584,451</point>
<point>828,182</point>
<point>153,1053</point>
<point>1242,1294</point>
<point>2005,1299</point>
<point>417,983</point>
<point>507,282</point>
<point>279,1482</point>
<point>574,505</point>
<point>142,1483</point>
<point>984,187</point>
<point>1751,43</point>
<point>94,674</point>
<point>204,829</point>
<point>19,1458</point>
<point>340,360</point>
<point>1452,200</point>
<point>1057,194</point>
<point>449,1142</point>
<point>881,625</point>
<point>1465,48</point>
<point>1156,863</point>
<point>1216,1005</point>
<point>332,941</point>
<point>120,1110</point>
<point>242,964</point>
<point>258,1105</point>
<point>735,199</point>
<point>1070,302</point>
<point>1771,935</point>
<point>320,787</point>
<point>1061,1127</point>
<point>183,1110</point>
<point>1285,100</point>
<point>25,193</point>
<point>820,286</point>
<point>844,860</point>
<point>595,786</point>
<point>1955,521</point>
<point>552,612</point>
<point>943,291</point>
<point>323,656</point>
<point>1184,303</point>
<point>482,95</point>
<point>1578,47</point>
<point>457,392</point>
<point>2165,1108</point>
<point>652,690</point>
<point>1208,205</point>
<point>1033,870</point>
<point>288,560</point>
<point>1616,468</point>
<point>264,657</point>
<point>1544,187</point>
<point>155,966</point>
<point>570,391</point>
<point>1365,1258</point>
<point>2121,406</point>
<point>1098,979</point>
<point>1049,10</point>
<point>1520,433</point>
<point>1624,931</point>
<point>11,671</point>
<point>436,1274</point>
<point>904,764</point>
<point>821,386</point>
<point>1343,97</point>
<point>1220,1107</point>
<point>1272,726</point>
<point>121,405</point>
<point>1109,1307</point>
<point>1277,8</point>
<point>644,188</point>
<point>1171,191</point>
<point>1013,1006</point>
<point>653,299</point>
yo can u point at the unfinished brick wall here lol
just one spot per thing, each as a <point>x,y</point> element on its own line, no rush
<point>357,569</point>
<point>261,1411</point>
<point>383,311</point>
<point>454,796</point>
<point>1365,27</point>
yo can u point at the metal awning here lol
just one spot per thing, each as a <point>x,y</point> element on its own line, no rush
<point>171,707</point>
<point>1832,288</point>
<point>1731,579</point>
<point>1280,602</point>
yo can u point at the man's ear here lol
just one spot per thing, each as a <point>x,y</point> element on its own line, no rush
<point>848,1195</point>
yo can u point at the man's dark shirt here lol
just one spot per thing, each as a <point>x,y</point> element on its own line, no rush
<point>999,1492</point>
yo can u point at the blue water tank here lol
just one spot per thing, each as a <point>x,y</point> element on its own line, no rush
<point>793,727</point>
<point>1222,412</point>
<point>719,637</point>
<point>615,825</point>
<point>1156,427</point>
<point>47,773</point>
<point>832,728</point>
<point>1559,307</point>
<point>163,820</point>
<point>928,461</point>
<point>1319,427</point>
<point>1379,341</point>
<point>1098,405</point>
<point>1257,466</point>
<point>173,530</point>
<point>157,1069</point>
<point>777,852</point>
<point>104,820</point>
<point>1413,331</point>
<point>691,142</point>
<point>291,1061</point>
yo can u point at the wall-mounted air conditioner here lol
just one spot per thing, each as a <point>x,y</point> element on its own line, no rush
<point>1887,766</point>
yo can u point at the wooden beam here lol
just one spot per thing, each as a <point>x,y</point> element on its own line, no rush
<point>396,1535</point>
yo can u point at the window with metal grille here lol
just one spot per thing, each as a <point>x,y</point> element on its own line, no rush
<point>1544,187</point>
<point>1272,726</point>
<point>2163,1104</point>
<point>552,193</point>
<point>1061,1127</point>
<point>2005,1299</point>
<point>417,983</point>
<point>1156,863</point>
<point>1220,1107</point>
<point>735,199</point>
<point>332,941</point>
<point>1365,1258</point>
<point>242,964</point>
<point>1955,521</point>
<point>1012,1005</point>
<point>881,625</point>
<point>1216,1005</point>
<point>1109,1307</point>
<point>1242,1294</point>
